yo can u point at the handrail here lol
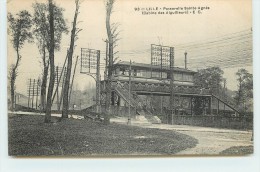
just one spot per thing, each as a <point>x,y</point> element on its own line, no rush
<point>226,104</point>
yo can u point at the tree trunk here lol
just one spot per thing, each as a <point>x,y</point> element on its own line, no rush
<point>43,87</point>
<point>110,62</point>
<point>65,106</point>
<point>44,81</point>
<point>109,85</point>
<point>13,78</point>
<point>12,84</point>
<point>52,66</point>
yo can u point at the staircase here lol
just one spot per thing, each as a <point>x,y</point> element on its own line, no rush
<point>149,116</point>
<point>124,93</point>
<point>137,103</point>
<point>226,103</point>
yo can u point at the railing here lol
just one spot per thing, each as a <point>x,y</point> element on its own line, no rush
<point>139,87</point>
<point>242,123</point>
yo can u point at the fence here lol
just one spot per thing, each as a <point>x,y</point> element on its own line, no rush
<point>243,123</point>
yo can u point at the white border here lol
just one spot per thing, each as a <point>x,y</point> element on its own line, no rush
<point>195,164</point>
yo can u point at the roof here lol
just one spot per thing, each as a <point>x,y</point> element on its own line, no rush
<point>145,65</point>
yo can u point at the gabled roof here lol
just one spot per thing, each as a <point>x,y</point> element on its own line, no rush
<point>148,66</point>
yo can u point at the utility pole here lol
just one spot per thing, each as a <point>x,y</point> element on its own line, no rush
<point>105,72</point>
<point>37,90</point>
<point>129,94</point>
<point>172,103</point>
<point>73,79</point>
<point>224,92</point>
<point>98,83</point>
<point>57,80</point>
<point>33,92</point>
<point>56,90</point>
<point>185,53</point>
<point>161,61</point>
<point>62,86</point>
<point>29,94</point>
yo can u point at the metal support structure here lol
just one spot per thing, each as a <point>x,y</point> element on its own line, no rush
<point>98,78</point>
<point>86,62</point>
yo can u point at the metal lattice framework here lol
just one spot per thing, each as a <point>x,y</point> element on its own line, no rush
<point>60,75</point>
<point>90,65</point>
<point>161,56</point>
<point>33,87</point>
<point>89,60</point>
<point>33,92</point>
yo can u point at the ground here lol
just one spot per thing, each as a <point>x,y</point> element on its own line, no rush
<point>211,141</point>
<point>29,136</point>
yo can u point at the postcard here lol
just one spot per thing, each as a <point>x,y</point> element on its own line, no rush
<point>141,78</point>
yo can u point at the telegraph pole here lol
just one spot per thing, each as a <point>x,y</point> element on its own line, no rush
<point>57,80</point>
<point>105,73</point>
<point>98,83</point>
<point>224,92</point>
<point>71,85</point>
<point>185,53</point>
<point>37,90</point>
<point>161,61</point>
<point>172,103</point>
<point>29,90</point>
<point>33,92</point>
<point>129,95</point>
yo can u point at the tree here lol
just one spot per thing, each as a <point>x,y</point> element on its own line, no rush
<point>52,65</point>
<point>19,30</point>
<point>211,78</point>
<point>245,89</point>
<point>42,34</point>
<point>112,34</point>
<point>74,33</point>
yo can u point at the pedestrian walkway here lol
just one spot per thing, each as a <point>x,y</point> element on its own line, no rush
<point>37,113</point>
<point>211,141</point>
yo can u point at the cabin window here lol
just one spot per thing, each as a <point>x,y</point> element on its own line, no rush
<point>156,74</point>
<point>178,76</point>
<point>122,71</point>
<point>164,75</point>
<point>117,71</point>
<point>187,77</point>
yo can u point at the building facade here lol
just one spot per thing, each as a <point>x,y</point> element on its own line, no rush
<point>149,92</point>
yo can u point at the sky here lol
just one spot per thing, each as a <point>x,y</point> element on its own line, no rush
<point>138,31</point>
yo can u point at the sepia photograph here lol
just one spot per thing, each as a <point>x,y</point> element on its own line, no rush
<point>121,78</point>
